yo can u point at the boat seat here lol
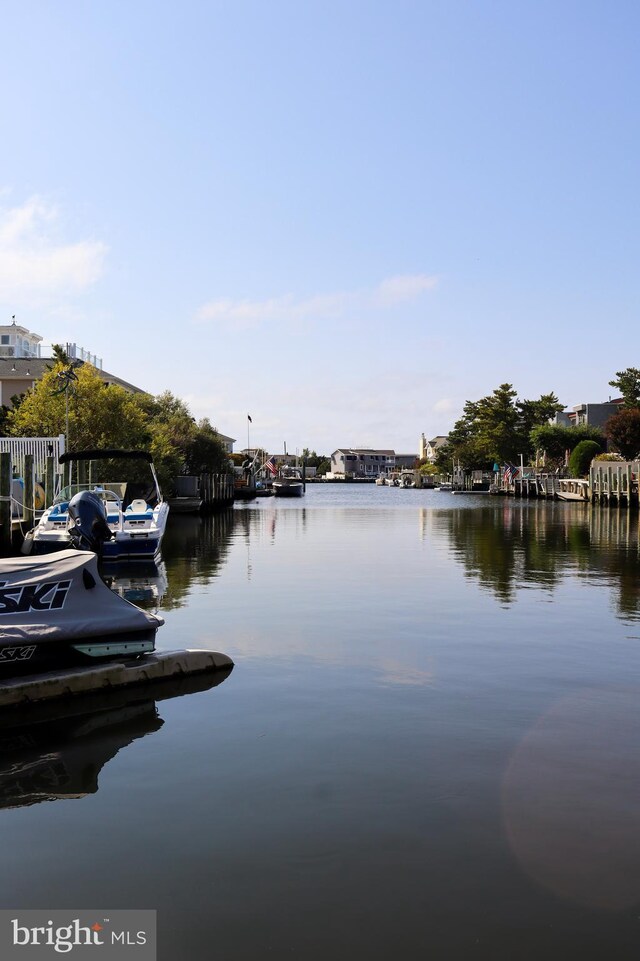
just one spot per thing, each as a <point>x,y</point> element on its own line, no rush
<point>138,510</point>
<point>138,506</point>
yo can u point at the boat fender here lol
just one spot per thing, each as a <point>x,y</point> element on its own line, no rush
<point>88,579</point>
<point>27,544</point>
<point>38,497</point>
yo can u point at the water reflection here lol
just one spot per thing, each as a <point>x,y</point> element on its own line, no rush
<point>194,548</point>
<point>508,546</point>
<point>503,546</point>
<point>52,752</point>
<point>143,583</point>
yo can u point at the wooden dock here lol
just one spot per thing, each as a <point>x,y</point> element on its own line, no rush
<point>611,484</point>
<point>201,495</point>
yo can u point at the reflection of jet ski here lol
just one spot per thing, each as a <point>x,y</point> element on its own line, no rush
<point>62,757</point>
<point>56,751</point>
<point>55,610</point>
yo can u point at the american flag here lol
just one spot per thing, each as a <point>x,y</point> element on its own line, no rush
<point>510,472</point>
<point>271,466</point>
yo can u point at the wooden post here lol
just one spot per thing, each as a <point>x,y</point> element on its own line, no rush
<point>49,489</point>
<point>28,513</point>
<point>5,499</point>
<point>83,471</point>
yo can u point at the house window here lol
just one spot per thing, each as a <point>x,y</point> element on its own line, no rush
<point>4,339</point>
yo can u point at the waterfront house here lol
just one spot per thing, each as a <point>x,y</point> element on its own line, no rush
<point>24,359</point>
<point>429,448</point>
<point>363,461</point>
<point>595,415</point>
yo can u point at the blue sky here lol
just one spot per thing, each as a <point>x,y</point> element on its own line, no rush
<point>343,218</point>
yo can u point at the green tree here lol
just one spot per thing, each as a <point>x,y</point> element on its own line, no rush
<point>628,383</point>
<point>312,459</point>
<point>496,428</point>
<point>556,439</point>
<point>535,413</point>
<point>60,356</point>
<point>99,416</point>
<point>206,453</point>
<point>581,457</point>
<point>623,432</point>
<point>498,423</point>
<point>464,444</point>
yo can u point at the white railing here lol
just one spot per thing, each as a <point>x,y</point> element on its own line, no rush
<point>40,447</point>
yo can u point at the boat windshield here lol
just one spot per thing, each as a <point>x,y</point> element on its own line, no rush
<point>137,478</point>
<point>109,491</point>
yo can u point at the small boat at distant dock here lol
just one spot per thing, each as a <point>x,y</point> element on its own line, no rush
<point>288,483</point>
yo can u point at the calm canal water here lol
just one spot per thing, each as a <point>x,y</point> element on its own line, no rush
<point>429,746</point>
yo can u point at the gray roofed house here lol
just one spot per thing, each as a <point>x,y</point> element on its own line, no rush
<point>24,360</point>
<point>596,415</point>
<point>430,448</point>
<point>362,461</point>
<point>19,374</point>
<point>227,441</point>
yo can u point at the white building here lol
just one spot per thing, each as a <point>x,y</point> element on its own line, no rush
<point>430,448</point>
<point>16,341</point>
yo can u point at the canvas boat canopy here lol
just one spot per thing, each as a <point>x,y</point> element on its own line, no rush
<point>61,597</point>
<point>104,454</point>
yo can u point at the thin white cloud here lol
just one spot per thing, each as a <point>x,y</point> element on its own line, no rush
<point>35,265</point>
<point>399,290</point>
<point>245,314</point>
<point>445,405</point>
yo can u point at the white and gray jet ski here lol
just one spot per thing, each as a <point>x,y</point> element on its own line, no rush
<point>56,610</point>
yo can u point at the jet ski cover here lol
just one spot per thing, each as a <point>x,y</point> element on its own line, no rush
<point>61,596</point>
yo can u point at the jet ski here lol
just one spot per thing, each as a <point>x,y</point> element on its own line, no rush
<point>55,610</point>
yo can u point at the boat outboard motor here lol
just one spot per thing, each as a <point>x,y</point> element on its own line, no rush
<point>89,530</point>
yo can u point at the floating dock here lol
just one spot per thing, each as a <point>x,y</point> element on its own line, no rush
<point>67,682</point>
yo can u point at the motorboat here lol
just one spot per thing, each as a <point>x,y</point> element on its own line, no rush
<point>573,489</point>
<point>118,519</point>
<point>288,483</point>
<point>407,478</point>
<point>445,487</point>
<point>56,610</point>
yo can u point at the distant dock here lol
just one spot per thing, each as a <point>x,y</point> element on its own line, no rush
<point>610,484</point>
